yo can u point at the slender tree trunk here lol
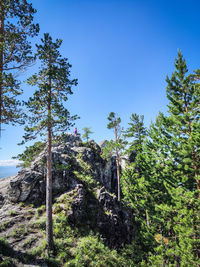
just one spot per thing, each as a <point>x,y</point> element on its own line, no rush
<point>1,58</point>
<point>147,217</point>
<point>49,219</point>
<point>118,167</point>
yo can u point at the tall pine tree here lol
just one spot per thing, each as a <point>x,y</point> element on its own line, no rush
<point>48,113</point>
<point>116,146</point>
<point>173,150</point>
<point>16,25</point>
<point>183,124</point>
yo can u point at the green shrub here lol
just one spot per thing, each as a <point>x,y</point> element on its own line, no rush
<point>40,211</point>
<point>91,251</point>
<point>40,223</point>
<point>4,225</point>
<point>19,231</point>
<point>39,250</point>
<point>6,263</point>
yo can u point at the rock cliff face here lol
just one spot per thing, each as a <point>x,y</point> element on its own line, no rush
<point>89,183</point>
<point>69,156</point>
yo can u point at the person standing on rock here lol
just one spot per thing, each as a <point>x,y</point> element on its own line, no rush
<point>75,131</point>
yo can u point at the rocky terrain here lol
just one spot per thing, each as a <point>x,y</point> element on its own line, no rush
<point>84,186</point>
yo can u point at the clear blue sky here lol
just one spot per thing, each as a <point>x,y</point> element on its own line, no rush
<point>121,52</point>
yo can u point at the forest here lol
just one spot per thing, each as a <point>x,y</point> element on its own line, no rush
<point>159,184</point>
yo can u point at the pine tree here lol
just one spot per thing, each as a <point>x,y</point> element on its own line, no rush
<point>29,154</point>
<point>48,114</point>
<point>167,184</point>
<point>87,133</point>
<point>173,150</point>
<point>135,183</point>
<point>16,25</point>
<point>116,146</point>
<point>183,124</point>
<point>136,132</point>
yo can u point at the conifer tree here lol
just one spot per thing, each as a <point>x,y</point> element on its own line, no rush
<point>183,124</point>
<point>136,132</point>
<point>117,145</point>
<point>135,177</point>
<point>87,133</point>
<point>173,150</point>
<point>48,114</point>
<point>16,25</point>
<point>167,184</point>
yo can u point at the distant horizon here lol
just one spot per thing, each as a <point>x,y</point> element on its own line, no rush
<point>7,171</point>
<point>9,163</point>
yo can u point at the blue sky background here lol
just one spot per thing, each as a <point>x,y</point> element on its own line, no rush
<point>121,52</point>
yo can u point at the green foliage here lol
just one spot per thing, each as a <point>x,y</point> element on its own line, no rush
<point>19,231</point>
<point>179,241</point>
<point>4,225</point>
<point>90,251</point>
<point>30,153</point>
<point>85,174</point>
<point>40,211</point>
<point>54,85</point>
<point>114,122</point>
<point>40,250</point>
<point>161,186</point>
<point>87,133</point>
<point>7,263</point>
<point>29,241</point>
<point>15,54</point>
<point>39,223</point>
<point>136,132</point>
<point>111,148</point>
<point>114,148</point>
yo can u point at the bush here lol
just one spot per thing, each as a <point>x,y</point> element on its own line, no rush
<point>91,251</point>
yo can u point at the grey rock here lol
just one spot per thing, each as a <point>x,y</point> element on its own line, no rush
<point>24,185</point>
<point>103,214</point>
<point>29,184</point>
<point>102,143</point>
<point>97,210</point>
<point>1,200</point>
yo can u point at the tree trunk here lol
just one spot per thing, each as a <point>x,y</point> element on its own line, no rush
<point>49,219</point>
<point>1,58</point>
<point>118,167</point>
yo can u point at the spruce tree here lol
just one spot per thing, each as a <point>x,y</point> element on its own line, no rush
<point>16,25</point>
<point>48,114</point>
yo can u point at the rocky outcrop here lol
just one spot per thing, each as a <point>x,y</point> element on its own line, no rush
<point>89,181</point>
<point>101,213</point>
<point>69,155</point>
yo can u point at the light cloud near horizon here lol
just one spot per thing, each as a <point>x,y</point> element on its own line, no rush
<point>8,162</point>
